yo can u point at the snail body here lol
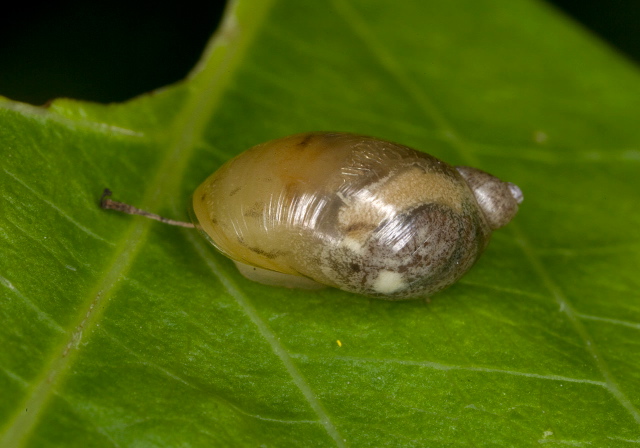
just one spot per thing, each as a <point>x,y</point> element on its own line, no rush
<point>356,213</point>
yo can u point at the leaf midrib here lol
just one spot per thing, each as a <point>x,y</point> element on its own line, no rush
<point>188,126</point>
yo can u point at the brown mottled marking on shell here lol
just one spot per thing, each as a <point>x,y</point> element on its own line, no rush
<point>305,139</point>
<point>256,211</point>
<point>426,247</point>
<point>358,213</point>
<point>269,255</point>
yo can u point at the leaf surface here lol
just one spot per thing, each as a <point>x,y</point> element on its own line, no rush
<point>118,331</point>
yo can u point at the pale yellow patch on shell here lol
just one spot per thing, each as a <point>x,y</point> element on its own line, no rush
<point>415,187</point>
<point>403,191</point>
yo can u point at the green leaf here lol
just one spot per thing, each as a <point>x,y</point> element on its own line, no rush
<point>119,331</point>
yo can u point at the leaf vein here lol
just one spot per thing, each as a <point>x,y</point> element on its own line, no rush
<point>40,113</point>
<point>574,318</point>
<point>44,317</point>
<point>446,367</point>
<point>624,323</point>
<point>58,209</point>
<point>278,349</point>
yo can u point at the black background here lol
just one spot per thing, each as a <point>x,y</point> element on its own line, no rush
<point>112,51</point>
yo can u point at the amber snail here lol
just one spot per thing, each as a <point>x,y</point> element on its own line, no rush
<point>357,213</point>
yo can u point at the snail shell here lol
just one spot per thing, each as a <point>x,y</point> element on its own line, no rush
<point>356,213</point>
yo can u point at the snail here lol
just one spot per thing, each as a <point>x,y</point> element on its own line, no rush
<point>356,213</point>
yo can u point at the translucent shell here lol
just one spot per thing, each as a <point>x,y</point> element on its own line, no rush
<point>356,213</point>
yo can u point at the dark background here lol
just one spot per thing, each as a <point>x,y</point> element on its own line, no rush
<point>112,51</point>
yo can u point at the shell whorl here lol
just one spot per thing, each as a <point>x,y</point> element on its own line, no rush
<point>498,200</point>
